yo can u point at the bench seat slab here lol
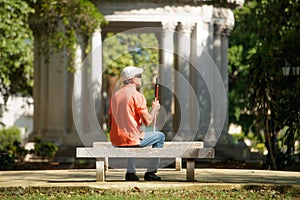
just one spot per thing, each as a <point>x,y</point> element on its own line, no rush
<point>98,152</point>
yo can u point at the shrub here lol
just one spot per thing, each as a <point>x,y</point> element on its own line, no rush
<point>7,160</point>
<point>10,148</point>
<point>8,137</point>
<point>261,147</point>
<point>19,151</point>
<point>237,137</point>
<point>46,150</point>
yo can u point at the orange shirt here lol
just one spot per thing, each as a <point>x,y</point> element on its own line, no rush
<point>125,110</point>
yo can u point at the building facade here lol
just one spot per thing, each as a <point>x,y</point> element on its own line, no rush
<point>193,44</point>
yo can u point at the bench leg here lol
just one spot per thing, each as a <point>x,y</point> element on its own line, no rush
<point>178,164</point>
<point>190,169</point>
<point>100,170</point>
<point>106,164</point>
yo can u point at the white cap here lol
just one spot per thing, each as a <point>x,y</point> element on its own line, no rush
<point>130,71</point>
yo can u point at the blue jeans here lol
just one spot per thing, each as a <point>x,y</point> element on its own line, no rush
<point>154,139</point>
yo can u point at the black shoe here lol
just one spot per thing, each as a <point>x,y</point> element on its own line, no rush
<point>151,176</point>
<point>131,177</point>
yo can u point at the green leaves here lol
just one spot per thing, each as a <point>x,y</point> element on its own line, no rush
<point>269,33</point>
<point>57,24</point>
<point>16,48</point>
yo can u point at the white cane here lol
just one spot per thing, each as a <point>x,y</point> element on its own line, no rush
<point>156,98</point>
<point>154,123</point>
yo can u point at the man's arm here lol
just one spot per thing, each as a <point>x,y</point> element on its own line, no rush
<point>148,117</point>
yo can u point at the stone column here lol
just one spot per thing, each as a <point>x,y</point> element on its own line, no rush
<point>220,53</point>
<point>52,93</point>
<point>40,89</point>
<point>56,119</point>
<point>166,71</point>
<point>182,83</point>
<point>217,105</point>
<point>96,86</point>
<point>224,71</point>
<point>86,94</point>
<point>96,60</point>
<point>199,79</point>
<point>53,119</point>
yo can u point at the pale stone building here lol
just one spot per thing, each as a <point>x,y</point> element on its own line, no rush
<point>193,39</point>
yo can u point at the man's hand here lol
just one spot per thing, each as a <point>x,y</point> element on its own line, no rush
<point>155,106</point>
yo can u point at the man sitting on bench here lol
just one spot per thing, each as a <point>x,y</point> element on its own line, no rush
<point>128,110</point>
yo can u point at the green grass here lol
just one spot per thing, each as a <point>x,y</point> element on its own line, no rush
<point>136,193</point>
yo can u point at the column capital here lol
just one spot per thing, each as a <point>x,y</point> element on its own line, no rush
<point>187,27</point>
<point>96,31</point>
<point>169,25</point>
<point>223,21</point>
<point>222,29</point>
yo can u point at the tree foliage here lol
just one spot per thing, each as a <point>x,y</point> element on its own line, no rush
<point>59,24</point>
<point>242,42</point>
<point>269,40</point>
<point>16,49</point>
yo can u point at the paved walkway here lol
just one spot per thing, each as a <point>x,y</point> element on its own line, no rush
<point>217,178</point>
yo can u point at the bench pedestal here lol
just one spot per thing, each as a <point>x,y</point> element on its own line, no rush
<point>100,170</point>
<point>190,169</point>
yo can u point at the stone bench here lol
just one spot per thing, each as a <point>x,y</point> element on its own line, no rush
<point>101,151</point>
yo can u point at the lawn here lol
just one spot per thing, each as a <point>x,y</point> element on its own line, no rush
<point>136,193</point>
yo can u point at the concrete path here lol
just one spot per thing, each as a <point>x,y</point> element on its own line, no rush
<point>217,178</point>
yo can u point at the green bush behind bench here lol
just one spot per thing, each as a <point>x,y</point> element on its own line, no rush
<point>12,152</point>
